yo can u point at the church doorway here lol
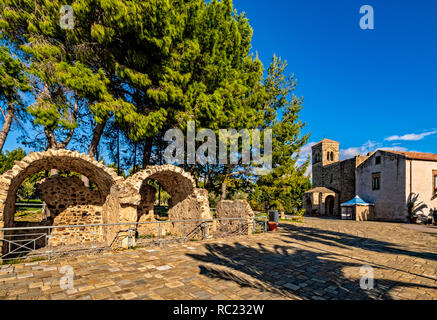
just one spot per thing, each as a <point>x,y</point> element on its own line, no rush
<point>329,205</point>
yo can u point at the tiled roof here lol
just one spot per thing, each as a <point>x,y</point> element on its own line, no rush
<point>320,189</point>
<point>417,155</point>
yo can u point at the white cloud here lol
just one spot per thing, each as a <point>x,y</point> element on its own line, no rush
<point>394,148</point>
<point>306,151</point>
<point>410,136</point>
<point>367,147</point>
<point>354,151</point>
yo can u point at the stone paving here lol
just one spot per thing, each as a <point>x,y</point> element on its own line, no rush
<point>317,259</point>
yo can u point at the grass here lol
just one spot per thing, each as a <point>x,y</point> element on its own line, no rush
<point>21,259</point>
<point>34,215</point>
<point>161,218</point>
<point>297,219</point>
<point>146,236</point>
<point>31,201</point>
<point>13,261</point>
<point>24,210</point>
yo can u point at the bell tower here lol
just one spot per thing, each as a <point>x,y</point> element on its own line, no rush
<point>324,153</point>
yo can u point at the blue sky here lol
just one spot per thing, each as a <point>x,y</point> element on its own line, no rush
<point>367,89</point>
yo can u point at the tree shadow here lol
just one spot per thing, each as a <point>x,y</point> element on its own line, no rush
<point>292,272</point>
<point>345,240</point>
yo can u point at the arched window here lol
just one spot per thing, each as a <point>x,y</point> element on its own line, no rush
<point>332,156</point>
<point>317,157</point>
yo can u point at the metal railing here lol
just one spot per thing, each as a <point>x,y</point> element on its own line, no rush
<point>27,243</point>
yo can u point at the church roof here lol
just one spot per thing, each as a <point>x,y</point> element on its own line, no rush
<point>327,140</point>
<point>416,155</point>
<point>321,190</point>
<point>357,201</point>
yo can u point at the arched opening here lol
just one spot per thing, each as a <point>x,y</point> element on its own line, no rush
<point>184,202</point>
<point>317,157</point>
<point>69,200</point>
<point>329,205</point>
<point>308,206</point>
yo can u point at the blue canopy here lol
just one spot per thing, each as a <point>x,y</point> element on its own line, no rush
<point>357,201</point>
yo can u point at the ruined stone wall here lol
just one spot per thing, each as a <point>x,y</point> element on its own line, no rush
<point>234,209</point>
<point>145,211</point>
<point>145,208</point>
<point>71,203</point>
<point>186,203</point>
<point>116,200</point>
<point>105,178</point>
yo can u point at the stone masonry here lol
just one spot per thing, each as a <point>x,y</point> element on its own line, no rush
<point>338,177</point>
<point>234,209</point>
<point>115,199</point>
<point>71,203</point>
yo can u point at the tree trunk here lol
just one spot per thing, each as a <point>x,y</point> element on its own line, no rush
<point>118,151</point>
<point>223,189</point>
<point>97,134</point>
<point>147,153</point>
<point>6,125</point>
<point>51,140</point>
<point>52,143</point>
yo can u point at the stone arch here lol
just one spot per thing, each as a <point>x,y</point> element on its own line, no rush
<point>187,201</point>
<point>105,178</point>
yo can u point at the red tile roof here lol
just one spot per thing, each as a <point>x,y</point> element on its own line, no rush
<point>417,155</point>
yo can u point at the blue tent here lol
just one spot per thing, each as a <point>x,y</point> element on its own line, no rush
<point>357,201</point>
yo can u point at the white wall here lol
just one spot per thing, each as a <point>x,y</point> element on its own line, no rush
<point>422,183</point>
<point>390,199</point>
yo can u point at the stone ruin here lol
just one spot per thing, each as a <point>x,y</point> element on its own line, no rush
<point>113,200</point>
<point>234,209</point>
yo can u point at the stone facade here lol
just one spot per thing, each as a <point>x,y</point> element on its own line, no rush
<point>399,174</point>
<point>116,200</point>
<point>331,173</point>
<point>321,201</point>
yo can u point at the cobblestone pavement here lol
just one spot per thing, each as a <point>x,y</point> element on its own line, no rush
<point>317,259</point>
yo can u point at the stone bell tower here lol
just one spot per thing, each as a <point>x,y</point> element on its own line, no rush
<point>324,153</point>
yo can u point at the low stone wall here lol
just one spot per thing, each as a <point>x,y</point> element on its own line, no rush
<point>234,209</point>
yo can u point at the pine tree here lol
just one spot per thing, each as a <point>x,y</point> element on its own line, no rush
<point>283,188</point>
<point>13,83</point>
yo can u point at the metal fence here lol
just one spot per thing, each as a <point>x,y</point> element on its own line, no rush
<point>46,242</point>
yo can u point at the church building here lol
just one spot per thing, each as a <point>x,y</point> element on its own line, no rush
<point>382,178</point>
